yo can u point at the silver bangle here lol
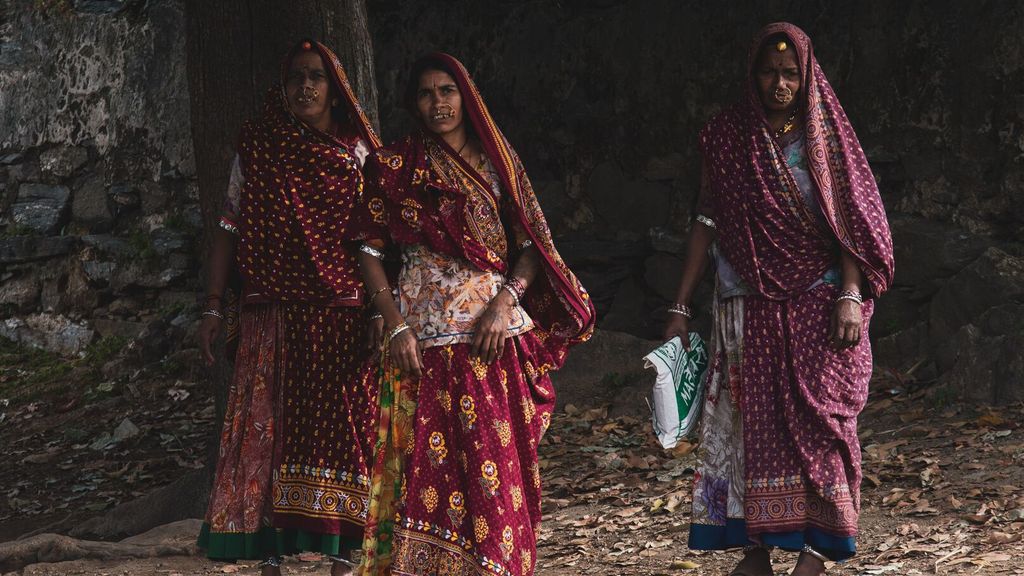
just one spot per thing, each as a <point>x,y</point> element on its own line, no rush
<point>510,290</point>
<point>808,550</point>
<point>706,221</point>
<point>214,313</point>
<point>851,295</point>
<point>397,330</point>
<point>367,249</point>
<point>681,309</point>
<point>228,226</point>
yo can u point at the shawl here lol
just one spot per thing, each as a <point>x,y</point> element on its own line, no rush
<point>412,200</point>
<point>300,189</point>
<point>764,229</point>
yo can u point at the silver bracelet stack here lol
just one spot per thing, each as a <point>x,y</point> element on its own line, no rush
<point>681,309</point>
<point>214,313</point>
<point>851,295</point>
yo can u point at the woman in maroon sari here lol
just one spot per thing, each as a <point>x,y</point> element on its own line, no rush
<point>791,216</point>
<point>485,309</point>
<point>295,448</point>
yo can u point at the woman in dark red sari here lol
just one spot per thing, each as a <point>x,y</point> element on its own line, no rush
<point>295,448</point>
<point>485,309</point>
<point>791,216</point>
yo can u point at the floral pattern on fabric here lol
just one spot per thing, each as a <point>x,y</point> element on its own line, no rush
<point>441,297</point>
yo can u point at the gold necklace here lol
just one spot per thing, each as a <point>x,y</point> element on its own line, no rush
<point>788,126</point>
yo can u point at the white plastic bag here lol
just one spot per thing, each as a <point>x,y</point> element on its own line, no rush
<point>678,388</point>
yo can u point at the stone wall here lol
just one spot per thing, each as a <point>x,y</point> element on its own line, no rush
<point>603,100</point>
<point>97,190</point>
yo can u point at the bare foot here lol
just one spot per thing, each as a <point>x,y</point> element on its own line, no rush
<point>270,571</point>
<point>757,562</point>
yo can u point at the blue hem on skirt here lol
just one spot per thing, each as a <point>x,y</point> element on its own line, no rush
<point>734,535</point>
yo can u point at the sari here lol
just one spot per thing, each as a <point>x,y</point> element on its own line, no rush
<point>779,462</point>
<point>292,472</point>
<point>456,480</point>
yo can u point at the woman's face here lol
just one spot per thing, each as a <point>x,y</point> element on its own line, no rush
<point>309,89</point>
<point>439,102</point>
<point>778,77</point>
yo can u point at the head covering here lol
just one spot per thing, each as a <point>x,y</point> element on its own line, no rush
<point>428,212</point>
<point>300,187</point>
<point>765,234</point>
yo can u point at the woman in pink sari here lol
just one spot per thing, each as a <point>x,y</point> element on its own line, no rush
<point>791,217</point>
<point>485,309</point>
<point>295,450</point>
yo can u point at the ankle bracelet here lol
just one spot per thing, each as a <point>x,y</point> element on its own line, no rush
<point>811,551</point>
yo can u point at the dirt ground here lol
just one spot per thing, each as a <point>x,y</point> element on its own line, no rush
<point>943,490</point>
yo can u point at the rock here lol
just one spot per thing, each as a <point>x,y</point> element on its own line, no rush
<point>627,312</point>
<point>154,197</point>
<point>669,167</point>
<point>649,203</point>
<point>20,249</point>
<point>125,430</point>
<point>895,311</point>
<point>928,251</point>
<point>99,272</point>
<point>993,279</point>
<point>90,205</point>
<point>663,272</point>
<point>50,332</point>
<point>165,241</point>
<point>21,293</point>
<point>62,161</point>
<point>125,306</point>
<point>903,349</point>
<point>601,368</point>
<point>40,207</point>
<point>988,366</point>
<point>107,328</point>
<point>666,240</point>
<point>124,197</point>
<point>108,245</point>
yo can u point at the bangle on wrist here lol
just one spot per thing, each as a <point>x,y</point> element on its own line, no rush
<point>397,330</point>
<point>682,310</point>
<point>851,295</point>
<point>373,296</point>
<point>215,313</point>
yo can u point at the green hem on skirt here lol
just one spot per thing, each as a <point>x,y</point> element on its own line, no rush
<point>230,546</point>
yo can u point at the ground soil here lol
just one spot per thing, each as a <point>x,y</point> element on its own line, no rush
<point>943,490</point>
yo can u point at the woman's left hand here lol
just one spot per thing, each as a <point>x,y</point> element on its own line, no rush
<point>846,324</point>
<point>492,330</point>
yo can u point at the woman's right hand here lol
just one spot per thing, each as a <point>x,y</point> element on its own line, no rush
<point>678,325</point>
<point>208,329</point>
<point>406,353</point>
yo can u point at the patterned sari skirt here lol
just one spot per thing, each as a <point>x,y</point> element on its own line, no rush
<point>292,473</point>
<point>779,458</point>
<point>456,481</point>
